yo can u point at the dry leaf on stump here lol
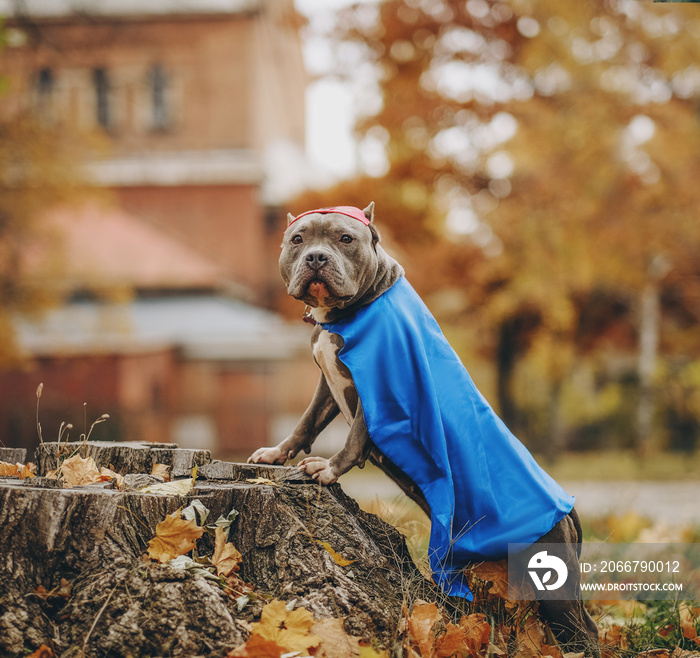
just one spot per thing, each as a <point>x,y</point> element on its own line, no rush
<point>174,536</point>
<point>226,557</point>
<point>77,470</point>
<point>162,471</point>
<point>335,642</point>
<point>290,630</point>
<point>257,647</point>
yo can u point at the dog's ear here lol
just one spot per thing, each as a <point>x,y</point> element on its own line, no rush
<point>375,234</point>
<point>369,212</point>
<point>290,218</point>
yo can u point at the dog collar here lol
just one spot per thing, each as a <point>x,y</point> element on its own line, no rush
<point>348,211</point>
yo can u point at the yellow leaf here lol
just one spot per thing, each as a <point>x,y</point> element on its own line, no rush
<point>290,630</point>
<point>272,483</point>
<point>27,471</point>
<point>339,559</point>
<point>161,470</point>
<point>78,470</point>
<point>367,651</point>
<point>226,557</point>
<point>335,642</point>
<point>174,488</point>
<point>8,470</point>
<point>174,536</point>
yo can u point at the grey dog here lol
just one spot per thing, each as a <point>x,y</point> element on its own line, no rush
<point>336,265</point>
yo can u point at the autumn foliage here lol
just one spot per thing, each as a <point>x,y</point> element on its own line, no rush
<point>539,184</point>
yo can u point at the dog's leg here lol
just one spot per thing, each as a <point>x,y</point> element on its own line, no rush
<point>406,484</point>
<point>354,453</point>
<point>569,620</point>
<point>322,410</point>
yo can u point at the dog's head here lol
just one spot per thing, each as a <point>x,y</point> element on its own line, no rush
<point>332,260</point>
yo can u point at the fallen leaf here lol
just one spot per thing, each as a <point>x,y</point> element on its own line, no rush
<point>368,651</point>
<point>174,488</point>
<point>476,631</point>
<point>174,536</point>
<point>688,624</point>
<point>79,470</point>
<point>530,637</point>
<point>28,470</point>
<point>226,557</point>
<point>161,470</point>
<point>42,652</point>
<point>42,593</point>
<point>451,643</point>
<point>8,470</point>
<point>421,625</point>
<point>263,481</point>
<point>335,642</point>
<point>654,653</point>
<point>257,647</point>
<point>290,630</point>
<point>337,557</point>
<point>495,573</point>
<point>196,511</point>
<point>109,474</point>
<point>226,521</point>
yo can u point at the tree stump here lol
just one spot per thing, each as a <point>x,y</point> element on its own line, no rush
<point>73,574</point>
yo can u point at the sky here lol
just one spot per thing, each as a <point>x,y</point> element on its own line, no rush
<point>330,105</point>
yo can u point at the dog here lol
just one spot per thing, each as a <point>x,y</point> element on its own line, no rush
<point>414,412</point>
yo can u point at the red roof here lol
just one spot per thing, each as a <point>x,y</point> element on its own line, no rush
<point>104,245</point>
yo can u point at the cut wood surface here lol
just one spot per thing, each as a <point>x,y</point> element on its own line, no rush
<point>75,575</point>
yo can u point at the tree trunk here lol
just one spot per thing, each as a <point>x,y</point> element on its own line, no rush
<point>649,328</point>
<point>122,604</point>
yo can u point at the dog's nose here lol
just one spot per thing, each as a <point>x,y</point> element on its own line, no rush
<point>316,259</point>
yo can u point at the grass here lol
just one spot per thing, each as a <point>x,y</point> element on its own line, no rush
<point>623,465</point>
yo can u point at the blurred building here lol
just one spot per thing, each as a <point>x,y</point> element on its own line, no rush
<point>197,111</point>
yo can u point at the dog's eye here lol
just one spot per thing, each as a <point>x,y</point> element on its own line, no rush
<point>297,239</point>
<point>347,239</point>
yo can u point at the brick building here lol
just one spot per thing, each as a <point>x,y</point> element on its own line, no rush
<point>195,111</point>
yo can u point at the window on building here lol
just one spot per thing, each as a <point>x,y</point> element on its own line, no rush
<point>44,91</point>
<point>102,88</point>
<point>160,110</point>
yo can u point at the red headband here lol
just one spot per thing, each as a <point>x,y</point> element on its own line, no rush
<point>349,211</point>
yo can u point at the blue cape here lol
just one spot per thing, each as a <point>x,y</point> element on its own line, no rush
<point>422,410</point>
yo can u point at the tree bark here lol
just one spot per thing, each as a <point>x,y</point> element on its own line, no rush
<point>120,604</point>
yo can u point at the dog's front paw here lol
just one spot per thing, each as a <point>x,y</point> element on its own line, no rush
<point>268,456</point>
<point>319,469</point>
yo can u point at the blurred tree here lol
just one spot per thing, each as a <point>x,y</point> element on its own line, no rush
<point>38,169</point>
<point>540,162</point>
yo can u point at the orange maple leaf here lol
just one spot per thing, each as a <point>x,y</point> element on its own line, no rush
<point>226,557</point>
<point>174,536</point>
<point>476,631</point>
<point>290,630</point>
<point>42,652</point>
<point>421,625</point>
<point>257,647</point>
